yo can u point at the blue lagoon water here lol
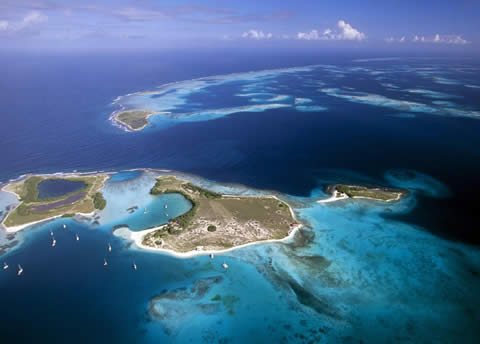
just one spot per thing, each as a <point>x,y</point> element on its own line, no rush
<point>52,188</point>
<point>360,271</point>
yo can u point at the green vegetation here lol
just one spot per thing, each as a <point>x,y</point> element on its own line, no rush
<point>31,209</point>
<point>202,192</point>
<point>98,201</point>
<point>217,221</point>
<point>381,194</point>
<point>135,119</point>
<point>68,215</point>
<point>30,193</point>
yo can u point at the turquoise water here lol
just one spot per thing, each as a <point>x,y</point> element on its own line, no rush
<point>352,267</point>
<point>125,175</point>
<point>360,271</point>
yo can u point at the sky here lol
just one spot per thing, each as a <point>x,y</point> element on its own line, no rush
<point>323,24</point>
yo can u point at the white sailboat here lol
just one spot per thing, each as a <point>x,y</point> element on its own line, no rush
<point>212,255</point>
<point>166,206</point>
<point>225,265</point>
<point>54,242</point>
<point>166,214</point>
<point>20,270</point>
<point>105,262</point>
<point>51,233</point>
<point>145,211</point>
<point>109,247</point>
<point>64,226</point>
<point>134,266</point>
<point>5,266</point>
<point>77,237</point>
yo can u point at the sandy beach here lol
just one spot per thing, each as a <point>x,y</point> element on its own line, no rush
<point>335,197</point>
<point>137,238</point>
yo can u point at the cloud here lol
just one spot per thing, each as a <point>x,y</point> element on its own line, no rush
<point>348,32</point>
<point>31,19</point>
<point>255,34</point>
<point>449,39</point>
<point>309,36</point>
<point>345,32</point>
<point>445,39</point>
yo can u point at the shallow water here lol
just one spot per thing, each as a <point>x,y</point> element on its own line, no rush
<point>359,271</point>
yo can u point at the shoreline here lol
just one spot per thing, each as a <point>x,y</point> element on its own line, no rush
<point>127,127</point>
<point>334,197</point>
<point>14,229</point>
<point>137,237</point>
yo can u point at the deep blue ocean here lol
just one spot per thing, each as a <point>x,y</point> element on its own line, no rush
<point>329,284</point>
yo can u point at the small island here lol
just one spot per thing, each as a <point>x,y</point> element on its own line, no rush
<point>135,120</point>
<point>217,222</point>
<point>45,197</point>
<point>343,191</point>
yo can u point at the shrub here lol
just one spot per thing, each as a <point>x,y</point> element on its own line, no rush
<point>212,228</point>
<point>98,201</point>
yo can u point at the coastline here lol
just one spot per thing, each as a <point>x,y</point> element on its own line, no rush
<point>334,197</point>
<point>137,238</point>
<point>13,229</point>
<point>127,127</point>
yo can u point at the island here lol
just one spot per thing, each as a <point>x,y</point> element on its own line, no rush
<point>217,222</point>
<point>44,197</point>
<point>135,120</point>
<point>344,191</point>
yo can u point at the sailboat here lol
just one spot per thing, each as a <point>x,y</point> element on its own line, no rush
<point>5,266</point>
<point>51,233</point>
<point>212,255</point>
<point>145,211</point>
<point>166,206</point>
<point>20,270</point>
<point>134,266</point>
<point>225,265</point>
<point>109,247</point>
<point>77,237</point>
<point>166,214</point>
<point>105,262</point>
<point>64,226</point>
<point>54,242</point>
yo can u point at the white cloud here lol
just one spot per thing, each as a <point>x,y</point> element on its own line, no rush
<point>345,32</point>
<point>348,32</point>
<point>256,34</point>
<point>445,39</point>
<point>309,36</point>
<point>31,19</point>
<point>393,39</point>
